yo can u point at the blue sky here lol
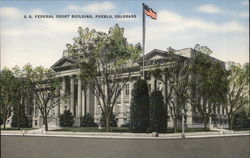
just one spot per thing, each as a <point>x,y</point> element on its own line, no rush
<point>222,25</point>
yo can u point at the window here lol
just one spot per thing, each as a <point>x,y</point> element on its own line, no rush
<point>35,122</point>
<point>118,109</point>
<point>127,89</point>
<point>195,108</point>
<point>149,88</point>
<point>218,110</point>
<point>53,112</point>
<point>159,86</point>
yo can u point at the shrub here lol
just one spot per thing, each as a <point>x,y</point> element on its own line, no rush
<point>24,121</point>
<point>87,121</point>
<point>66,119</point>
<point>158,114</point>
<point>112,121</point>
<point>125,125</point>
<point>241,120</point>
<point>139,109</point>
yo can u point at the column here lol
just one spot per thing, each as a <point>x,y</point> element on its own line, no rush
<point>83,102</point>
<point>165,93</point>
<point>72,95</point>
<point>35,113</point>
<point>164,88</point>
<point>58,104</point>
<point>152,84</point>
<point>79,98</point>
<point>122,108</point>
<point>122,100</point>
<point>87,100</point>
<point>62,95</point>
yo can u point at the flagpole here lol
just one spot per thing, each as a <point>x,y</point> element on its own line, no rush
<point>143,39</point>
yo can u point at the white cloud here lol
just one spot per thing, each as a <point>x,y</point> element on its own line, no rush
<point>175,23</point>
<point>9,12</point>
<point>210,9</point>
<point>99,7</point>
<point>73,7</point>
<point>94,7</point>
<point>244,14</point>
<point>245,3</point>
<point>36,11</point>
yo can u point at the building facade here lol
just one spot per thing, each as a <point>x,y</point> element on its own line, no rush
<point>80,100</point>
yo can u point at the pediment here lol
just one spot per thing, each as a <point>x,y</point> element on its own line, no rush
<point>66,63</point>
<point>155,57</point>
<point>63,62</point>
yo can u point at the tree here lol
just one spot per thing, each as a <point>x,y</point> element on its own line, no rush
<point>103,60</point>
<point>87,121</point>
<point>112,121</point>
<point>158,113</point>
<point>66,119</point>
<point>22,121</point>
<point>209,85</point>
<point>139,108</point>
<point>238,90</point>
<point>175,76</point>
<point>7,80</point>
<point>23,94</point>
<point>45,87</point>
<point>240,120</point>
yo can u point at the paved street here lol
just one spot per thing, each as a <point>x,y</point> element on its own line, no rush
<point>64,147</point>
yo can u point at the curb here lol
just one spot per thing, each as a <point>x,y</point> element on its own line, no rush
<point>150,137</point>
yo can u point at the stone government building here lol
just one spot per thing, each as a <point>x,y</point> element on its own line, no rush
<point>81,101</point>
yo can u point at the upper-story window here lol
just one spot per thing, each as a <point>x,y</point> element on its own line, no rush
<point>149,88</point>
<point>218,110</point>
<point>127,89</point>
<point>159,87</point>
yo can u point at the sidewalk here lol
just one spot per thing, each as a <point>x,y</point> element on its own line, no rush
<point>42,132</point>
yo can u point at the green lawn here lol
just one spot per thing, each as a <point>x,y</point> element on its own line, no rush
<point>117,129</point>
<point>14,128</point>
<point>92,129</point>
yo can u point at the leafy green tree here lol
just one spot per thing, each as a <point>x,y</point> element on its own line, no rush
<point>238,90</point>
<point>104,58</point>
<point>1,121</point>
<point>139,108</point>
<point>22,122</point>
<point>23,94</point>
<point>87,121</point>
<point>7,80</point>
<point>45,86</point>
<point>112,121</point>
<point>66,119</point>
<point>158,115</point>
<point>209,85</point>
<point>240,120</point>
<point>176,77</point>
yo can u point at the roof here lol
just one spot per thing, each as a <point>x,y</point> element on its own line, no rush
<point>65,62</point>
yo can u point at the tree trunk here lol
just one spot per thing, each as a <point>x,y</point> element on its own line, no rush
<point>205,123</point>
<point>107,124</point>
<point>4,123</point>
<point>18,122</point>
<point>166,104</point>
<point>229,122</point>
<point>45,123</point>
<point>175,125</point>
